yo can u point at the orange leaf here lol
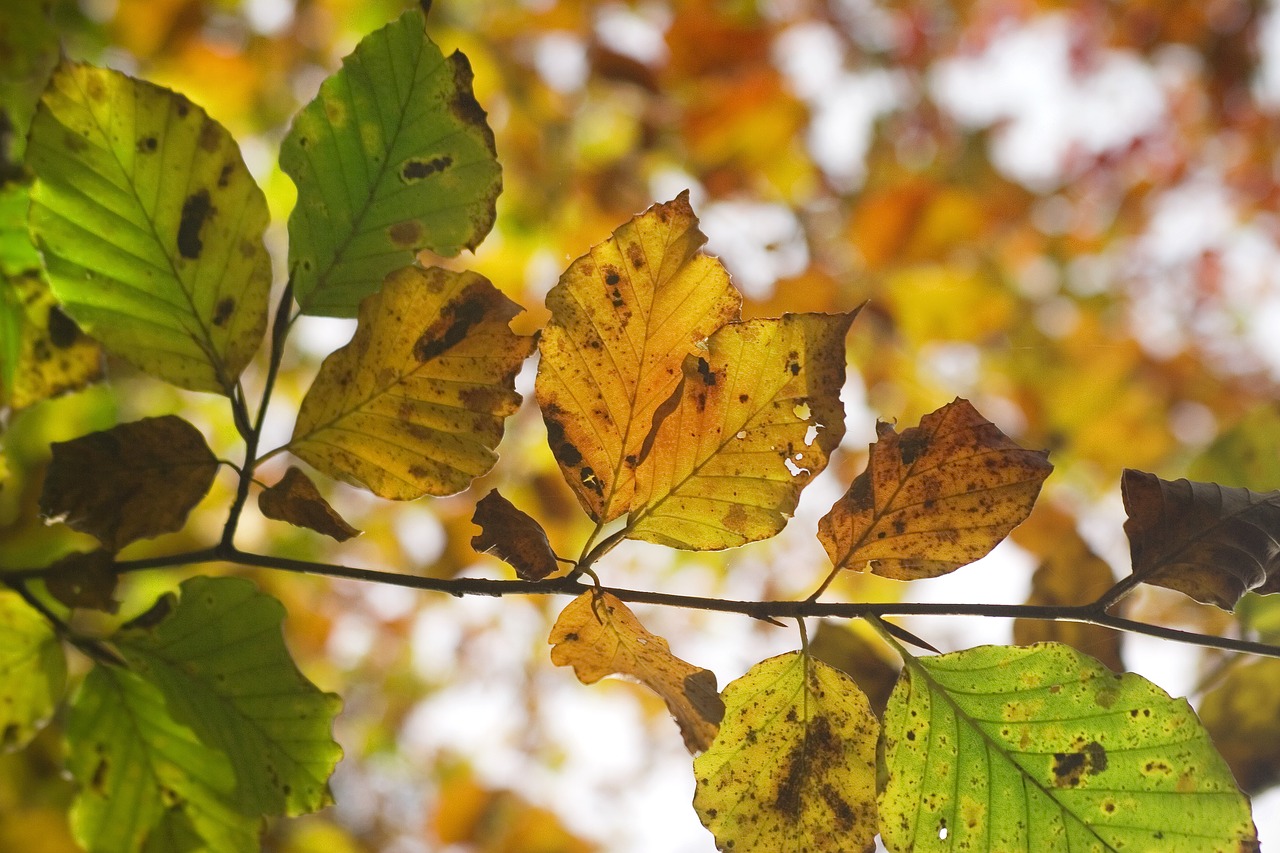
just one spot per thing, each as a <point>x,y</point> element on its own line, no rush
<point>1211,542</point>
<point>513,537</point>
<point>598,635</point>
<point>623,318</point>
<point>934,498</point>
<point>297,501</point>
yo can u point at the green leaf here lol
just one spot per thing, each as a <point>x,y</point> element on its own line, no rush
<point>393,156</point>
<point>794,764</point>
<point>151,226</point>
<point>33,671</point>
<point>414,405</point>
<point>28,52</point>
<point>211,718</point>
<point>1042,748</point>
<point>147,475</point>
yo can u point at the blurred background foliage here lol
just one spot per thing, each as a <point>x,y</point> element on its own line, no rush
<point>1065,212</point>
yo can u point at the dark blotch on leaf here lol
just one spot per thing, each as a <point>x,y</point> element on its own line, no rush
<point>224,176</point>
<point>914,442</point>
<point>147,145</point>
<point>457,323</point>
<point>1070,767</point>
<point>196,210</point>
<point>223,312</point>
<point>704,370</point>
<point>63,331</point>
<point>406,234</point>
<point>416,169</point>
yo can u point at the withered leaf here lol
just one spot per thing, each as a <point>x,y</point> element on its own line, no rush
<point>752,423</point>
<point>1211,542</point>
<point>84,579</point>
<point>513,536</point>
<point>297,501</point>
<point>598,635</point>
<point>414,405</point>
<point>133,481</point>
<point>623,318</point>
<point>934,498</point>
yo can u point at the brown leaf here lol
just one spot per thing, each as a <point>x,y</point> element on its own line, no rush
<point>84,579</point>
<point>1211,542</point>
<point>598,635</point>
<point>133,481</point>
<point>296,500</point>
<point>512,536</point>
<point>934,498</point>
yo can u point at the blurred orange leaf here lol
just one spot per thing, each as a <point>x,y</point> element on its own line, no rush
<point>934,498</point>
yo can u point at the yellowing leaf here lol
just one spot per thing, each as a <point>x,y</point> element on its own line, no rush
<point>414,404</point>
<point>296,500</point>
<point>146,476</point>
<point>794,764</point>
<point>1044,749</point>
<point>45,353</point>
<point>151,226</point>
<point>1213,543</point>
<point>598,635</point>
<point>934,498</point>
<point>512,536</point>
<point>623,318</point>
<point>753,422</point>
<point>393,156</point>
<point>33,671</point>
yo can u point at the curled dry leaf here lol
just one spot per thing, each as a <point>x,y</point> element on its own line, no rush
<point>598,635</point>
<point>414,404</point>
<point>147,475</point>
<point>84,579</point>
<point>513,536</point>
<point>297,501</point>
<point>1211,542</point>
<point>934,498</point>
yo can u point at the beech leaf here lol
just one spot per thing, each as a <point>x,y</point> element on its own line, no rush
<point>624,317</point>
<point>414,404</point>
<point>934,498</point>
<point>1211,542</point>
<point>297,501</point>
<point>1043,748</point>
<point>45,353</point>
<point>84,579</point>
<point>151,226</point>
<point>754,420</point>
<point>1242,714</point>
<point>33,671</point>
<point>598,635</point>
<point>147,475</point>
<point>794,764</point>
<point>513,536</point>
<point>393,156</point>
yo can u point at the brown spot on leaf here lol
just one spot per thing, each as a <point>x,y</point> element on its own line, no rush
<point>417,168</point>
<point>209,136</point>
<point>181,106</point>
<point>455,321</point>
<point>147,145</point>
<point>222,313</point>
<point>913,443</point>
<point>196,210</point>
<point>224,176</point>
<point>636,255</point>
<point>63,332</point>
<point>94,88</point>
<point>705,371</point>
<point>406,234</point>
<point>464,105</point>
<point>1070,768</point>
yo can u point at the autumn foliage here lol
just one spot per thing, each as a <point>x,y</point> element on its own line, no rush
<point>654,393</point>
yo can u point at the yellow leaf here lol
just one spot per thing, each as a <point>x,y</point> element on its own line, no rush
<point>52,356</point>
<point>794,765</point>
<point>623,318</point>
<point>598,635</point>
<point>753,422</point>
<point>297,501</point>
<point>934,498</point>
<point>414,405</point>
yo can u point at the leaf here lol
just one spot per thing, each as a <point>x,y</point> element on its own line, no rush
<point>150,225</point>
<point>598,635</point>
<point>1211,542</point>
<point>864,659</point>
<point>45,354</point>
<point>934,498</point>
<point>623,318</point>
<point>393,156</point>
<point>84,579</point>
<point>1245,454</point>
<point>1042,748</point>
<point>414,405</point>
<point>147,475</point>
<point>512,536</point>
<point>794,764</point>
<point>211,719</point>
<point>33,671</point>
<point>754,421</point>
<point>296,500</point>
<point>1242,714</point>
